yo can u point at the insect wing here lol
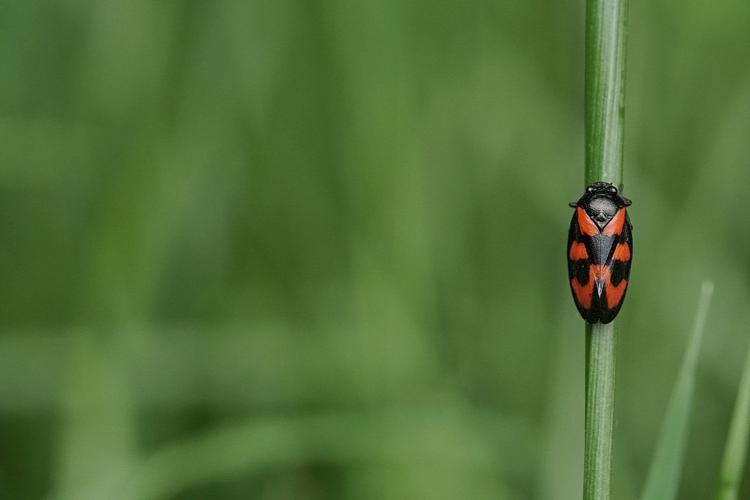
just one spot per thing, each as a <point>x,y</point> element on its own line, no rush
<point>616,271</point>
<point>580,273</point>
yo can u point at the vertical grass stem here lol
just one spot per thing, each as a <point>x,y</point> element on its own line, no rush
<point>604,118</point>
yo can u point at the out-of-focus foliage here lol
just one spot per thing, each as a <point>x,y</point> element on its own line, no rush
<point>315,250</point>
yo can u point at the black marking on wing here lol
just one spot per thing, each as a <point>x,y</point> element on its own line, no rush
<point>577,268</point>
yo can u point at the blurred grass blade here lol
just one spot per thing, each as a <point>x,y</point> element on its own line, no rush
<point>735,452</point>
<point>666,466</point>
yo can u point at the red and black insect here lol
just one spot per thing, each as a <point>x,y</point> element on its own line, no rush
<point>600,249</point>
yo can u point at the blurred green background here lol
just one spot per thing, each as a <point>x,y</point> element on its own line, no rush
<point>316,250</point>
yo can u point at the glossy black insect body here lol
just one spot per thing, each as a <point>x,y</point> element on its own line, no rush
<point>600,250</point>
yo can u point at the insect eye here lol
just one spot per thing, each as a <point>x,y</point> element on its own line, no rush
<point>589,189</point>
<point>612,189</point>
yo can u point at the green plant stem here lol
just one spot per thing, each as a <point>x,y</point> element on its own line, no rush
<point>604,117</point>
<point>600,404</point>
<point>605,89</point>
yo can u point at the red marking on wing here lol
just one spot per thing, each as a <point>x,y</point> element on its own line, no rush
<point>615,293</point>
<point>614,227</point>
<point>578,251</point>
<point>586,224</point>
<point>599,272</point>
<point>622,252</point>
<point>583,293</point>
